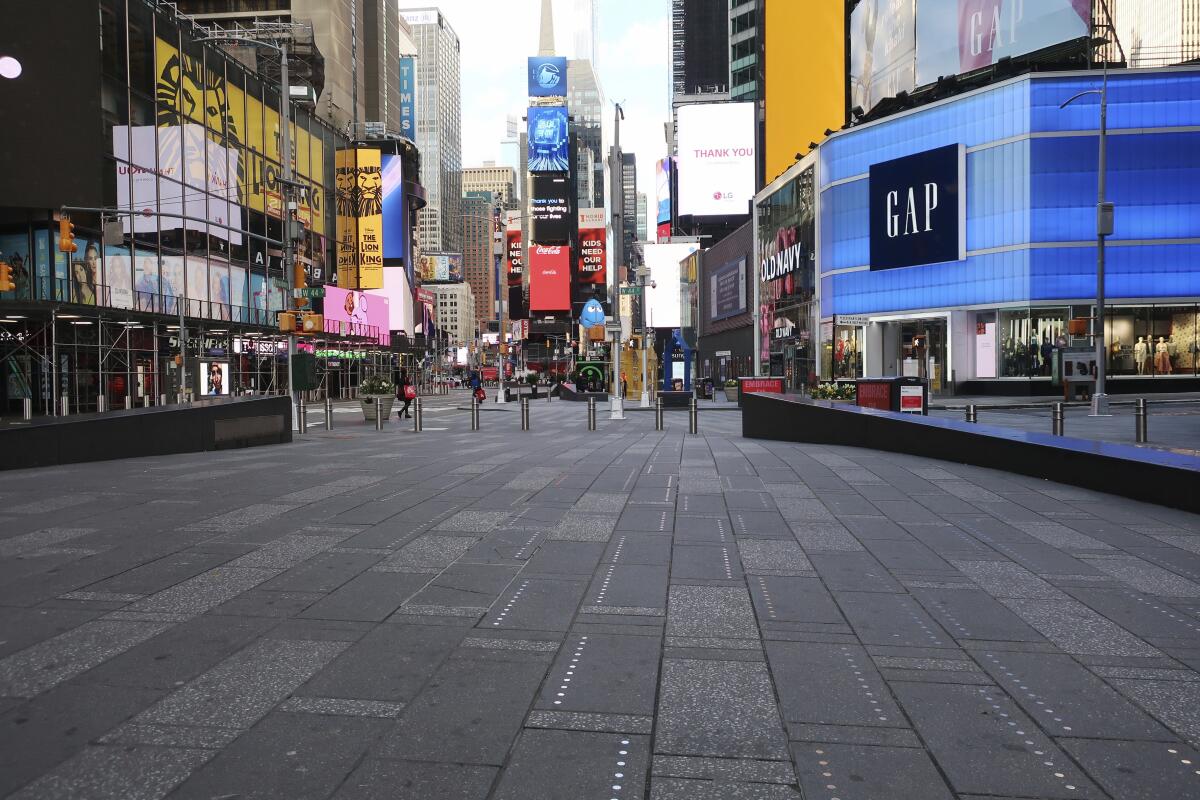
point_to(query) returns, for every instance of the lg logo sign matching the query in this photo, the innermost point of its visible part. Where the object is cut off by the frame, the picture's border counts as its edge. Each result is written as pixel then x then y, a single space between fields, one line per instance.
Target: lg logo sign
pixel 918 209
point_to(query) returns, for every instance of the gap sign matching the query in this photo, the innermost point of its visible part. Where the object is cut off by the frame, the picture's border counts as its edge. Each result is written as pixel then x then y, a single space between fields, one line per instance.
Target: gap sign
pixel 919 209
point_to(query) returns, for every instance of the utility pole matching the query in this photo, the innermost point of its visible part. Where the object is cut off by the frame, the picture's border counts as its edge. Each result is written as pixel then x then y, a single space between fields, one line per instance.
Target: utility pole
pixel 616 406
pixel 497 252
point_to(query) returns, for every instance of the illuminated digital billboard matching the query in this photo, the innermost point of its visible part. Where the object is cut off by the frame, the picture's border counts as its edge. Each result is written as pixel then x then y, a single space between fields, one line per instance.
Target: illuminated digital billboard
pixel 549 141
pixel 716 159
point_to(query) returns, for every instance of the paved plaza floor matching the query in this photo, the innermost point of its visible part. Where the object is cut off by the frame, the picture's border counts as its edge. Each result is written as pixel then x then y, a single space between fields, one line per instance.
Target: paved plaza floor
pixel 562 614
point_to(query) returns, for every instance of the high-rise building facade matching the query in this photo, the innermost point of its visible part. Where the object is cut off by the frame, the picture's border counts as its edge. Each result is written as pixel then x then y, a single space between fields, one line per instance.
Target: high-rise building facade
pixel 1153 33
pixel 354 68
pixel 629 200
pixel 510 148
pixel 587 21
pixel 642 210
pixel 478 261
pixel 699 47
pixel 498 180
pixel 744 46
pixel 457 311
pixel 586 101
pixel 439 128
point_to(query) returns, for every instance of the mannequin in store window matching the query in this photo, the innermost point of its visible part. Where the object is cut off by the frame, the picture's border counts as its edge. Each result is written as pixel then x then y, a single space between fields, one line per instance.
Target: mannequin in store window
pixel 1141 355
pixel 1162 357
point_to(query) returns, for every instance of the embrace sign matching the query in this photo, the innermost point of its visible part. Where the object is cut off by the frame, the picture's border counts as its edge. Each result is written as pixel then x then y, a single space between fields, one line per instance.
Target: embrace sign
pixel 919 209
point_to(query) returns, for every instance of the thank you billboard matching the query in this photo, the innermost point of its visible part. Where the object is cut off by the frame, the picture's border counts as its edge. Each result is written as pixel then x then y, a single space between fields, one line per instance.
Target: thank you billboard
pixel 918 209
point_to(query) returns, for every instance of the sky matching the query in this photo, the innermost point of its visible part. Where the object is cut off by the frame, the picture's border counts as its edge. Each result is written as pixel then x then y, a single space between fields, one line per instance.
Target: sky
pixel 633 43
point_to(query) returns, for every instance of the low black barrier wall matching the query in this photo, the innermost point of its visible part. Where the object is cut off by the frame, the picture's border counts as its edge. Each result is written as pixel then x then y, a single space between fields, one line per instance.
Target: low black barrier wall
pixel 210 424
pixel 1162 476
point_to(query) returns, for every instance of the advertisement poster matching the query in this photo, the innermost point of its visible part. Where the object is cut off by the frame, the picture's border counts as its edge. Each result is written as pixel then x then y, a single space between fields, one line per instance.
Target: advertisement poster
pixel 547 76
pixel 662 294
pixel 440 268
pixel 85 272
pixel 259 299
pixel 395 212
pixel 351 308
pixel 882 50
pixel 177 169
pixel 172 279
pixel 14 250
pixel 118 271
pixel 145 280
pixel 252 128
pixel 237 294
pixel 550 278
pixel 426 300
pixel 215 377
pixel 197 286
pixel 985 349
pixel 513 249
pixel 549 143
pixel 218 289
pixel 358 180
pixel 957 36
pixel 727 290
pixel 550 204
pixel 593 241
pixel 716 159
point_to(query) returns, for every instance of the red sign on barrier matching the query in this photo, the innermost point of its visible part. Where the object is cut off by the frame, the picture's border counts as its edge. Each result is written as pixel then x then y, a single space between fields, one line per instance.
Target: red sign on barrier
pixel 752 385
pixel 874 395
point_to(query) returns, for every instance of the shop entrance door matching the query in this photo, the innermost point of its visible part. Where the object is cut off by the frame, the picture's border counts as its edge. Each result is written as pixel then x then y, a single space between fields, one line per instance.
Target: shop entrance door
pixel 923 352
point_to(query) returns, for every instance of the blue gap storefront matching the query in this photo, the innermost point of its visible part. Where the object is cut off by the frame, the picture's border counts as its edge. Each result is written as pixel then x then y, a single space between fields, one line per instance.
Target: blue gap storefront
pixel 990 323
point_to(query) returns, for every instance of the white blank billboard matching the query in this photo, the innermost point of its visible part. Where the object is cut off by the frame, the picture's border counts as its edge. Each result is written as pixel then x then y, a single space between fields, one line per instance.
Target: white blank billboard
pixel 716 159
pixel 662 299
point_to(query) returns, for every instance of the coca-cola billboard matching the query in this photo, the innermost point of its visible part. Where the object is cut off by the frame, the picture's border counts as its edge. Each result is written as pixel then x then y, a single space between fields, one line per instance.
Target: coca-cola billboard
pixel 549 278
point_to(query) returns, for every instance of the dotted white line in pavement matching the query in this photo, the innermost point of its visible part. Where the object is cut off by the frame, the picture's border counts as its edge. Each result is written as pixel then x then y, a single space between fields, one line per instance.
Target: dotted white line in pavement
pixel 516 596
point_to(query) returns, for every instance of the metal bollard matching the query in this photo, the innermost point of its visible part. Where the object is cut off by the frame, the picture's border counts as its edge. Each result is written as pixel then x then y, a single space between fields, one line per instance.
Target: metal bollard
pixel 101 403
pixel 28 408
pixel 418 423
pixel 972 414
pixel 1140 413
pixel 474 413
pixel 128 402
pixel 302 415
pixel 328 413
pixel 658 414
pixel 162 399
pixel 378 413
pixel 66 406
pixel 591 413
pixel 693 417
pixel 1058 420
pixel 524 413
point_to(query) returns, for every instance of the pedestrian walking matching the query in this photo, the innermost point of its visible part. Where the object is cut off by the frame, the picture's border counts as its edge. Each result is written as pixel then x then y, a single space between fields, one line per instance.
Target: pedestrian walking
pixel 406 392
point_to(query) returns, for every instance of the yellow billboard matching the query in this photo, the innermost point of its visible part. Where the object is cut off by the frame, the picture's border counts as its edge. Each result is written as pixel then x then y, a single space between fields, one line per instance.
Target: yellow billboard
pixel 805 77
pixel 236 119
pixel 358 187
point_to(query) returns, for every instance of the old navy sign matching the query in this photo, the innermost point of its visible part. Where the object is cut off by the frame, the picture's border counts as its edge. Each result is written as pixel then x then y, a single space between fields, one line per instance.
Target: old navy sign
pixel 918 209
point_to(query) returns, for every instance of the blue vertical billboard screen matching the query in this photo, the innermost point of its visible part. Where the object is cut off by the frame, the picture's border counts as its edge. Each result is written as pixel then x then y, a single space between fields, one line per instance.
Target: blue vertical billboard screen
pixel 549 142
pixel 408 97
pixel 395 220
pixel 547 76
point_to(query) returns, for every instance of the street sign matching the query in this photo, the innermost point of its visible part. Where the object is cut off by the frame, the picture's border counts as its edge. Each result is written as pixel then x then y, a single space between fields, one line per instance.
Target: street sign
pixel 631 290
pixel 612 327
pixel 311 291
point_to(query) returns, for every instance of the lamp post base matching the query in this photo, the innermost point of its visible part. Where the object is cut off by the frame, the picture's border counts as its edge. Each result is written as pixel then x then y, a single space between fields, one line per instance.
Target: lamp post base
pixel 1100 405
pixel 617 410
pixel 645 403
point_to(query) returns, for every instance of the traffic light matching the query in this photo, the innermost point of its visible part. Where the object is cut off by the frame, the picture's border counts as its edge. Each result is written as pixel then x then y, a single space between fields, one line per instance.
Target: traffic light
pixel 287 322
pixel 6 279
pixel 300 281
pixel 312 323
pixel 66 235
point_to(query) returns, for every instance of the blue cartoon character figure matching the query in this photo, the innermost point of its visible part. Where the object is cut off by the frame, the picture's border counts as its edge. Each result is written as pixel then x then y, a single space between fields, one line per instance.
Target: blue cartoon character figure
pixel 592 314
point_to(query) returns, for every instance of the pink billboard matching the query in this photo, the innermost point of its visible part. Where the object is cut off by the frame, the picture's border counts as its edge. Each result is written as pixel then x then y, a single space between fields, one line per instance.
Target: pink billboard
pixel 353 313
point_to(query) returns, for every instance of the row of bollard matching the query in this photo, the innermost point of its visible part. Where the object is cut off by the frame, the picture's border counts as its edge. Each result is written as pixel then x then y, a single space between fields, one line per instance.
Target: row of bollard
pixel 1058 419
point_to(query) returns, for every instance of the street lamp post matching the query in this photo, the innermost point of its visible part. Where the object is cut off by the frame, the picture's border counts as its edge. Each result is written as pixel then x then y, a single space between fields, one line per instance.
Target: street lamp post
pixel 1104 229
pixel 497 252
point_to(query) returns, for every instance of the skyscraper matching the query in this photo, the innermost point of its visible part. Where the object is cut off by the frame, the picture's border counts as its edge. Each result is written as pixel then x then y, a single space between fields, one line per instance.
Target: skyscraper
pixel 744 42
pixel 584 36
pixel 699 47
pixel 478 269
pixel 439 131
pixel 497 179
pixel 642 211
pixel 586 101
pixel 510 149
pixel 629 206
pixel 1154 33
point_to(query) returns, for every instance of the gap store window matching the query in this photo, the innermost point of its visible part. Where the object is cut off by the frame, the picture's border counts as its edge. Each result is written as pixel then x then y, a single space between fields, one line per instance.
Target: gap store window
pixel 787 280
pixel 1151 341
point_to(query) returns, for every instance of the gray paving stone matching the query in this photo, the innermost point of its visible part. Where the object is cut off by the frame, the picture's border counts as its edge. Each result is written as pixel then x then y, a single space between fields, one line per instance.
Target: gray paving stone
pixel 287 552
pixel 1077 629
pixel 205 591
pixel 1138 770
pixel 718 708
pixel 854 572
pixel 602 723
pixel 970 613
pixel 851 692
pixel 885 619
pixel 705 562
pixel 117 773
pixel 1175 704
pixel 599 673
pixel 243 688
pixel 371 596
pixel 869 773
pixel 651 520
pixel 584 527
pixel 471 712
pixel 773 557
pixel 687 789
pixel 390 663
pixel 760 525
pixel 630 586
pixel 724 769
pixel 1145 577
pixel 703 530
pixel 791 599
pixel 565 558
pixel 710 611
pixel 37 540
pixel 49 663
pixel 536 604
pixel 550 764
pixel 427 553
pixel 378 779
pixel 245 517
